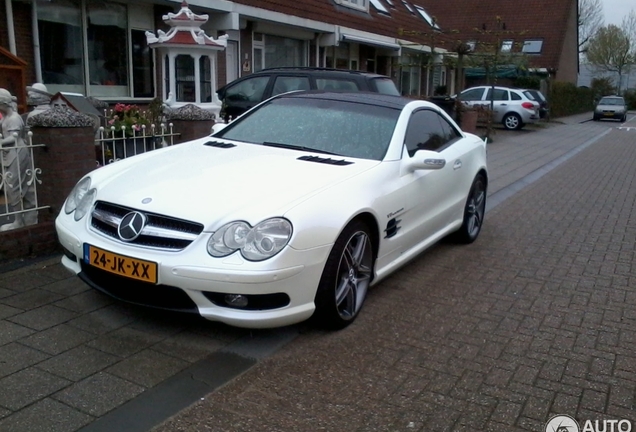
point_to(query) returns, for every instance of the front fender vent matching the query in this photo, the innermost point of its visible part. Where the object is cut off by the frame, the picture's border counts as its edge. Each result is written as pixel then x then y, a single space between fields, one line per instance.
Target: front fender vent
pixel 327 161
pixel 219 144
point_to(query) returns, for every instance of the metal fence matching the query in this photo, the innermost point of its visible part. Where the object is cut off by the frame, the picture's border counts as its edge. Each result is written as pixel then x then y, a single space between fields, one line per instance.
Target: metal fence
pixel 18 184
pixel 113 144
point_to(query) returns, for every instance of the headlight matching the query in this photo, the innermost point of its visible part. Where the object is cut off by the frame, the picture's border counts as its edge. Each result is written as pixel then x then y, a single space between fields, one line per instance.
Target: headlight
pixel 77 194
pixel 85 204
pixel 256 244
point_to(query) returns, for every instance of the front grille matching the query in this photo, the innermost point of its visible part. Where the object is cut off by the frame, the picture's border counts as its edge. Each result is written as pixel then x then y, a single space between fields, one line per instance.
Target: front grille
pixel 137 292
pixel 160 232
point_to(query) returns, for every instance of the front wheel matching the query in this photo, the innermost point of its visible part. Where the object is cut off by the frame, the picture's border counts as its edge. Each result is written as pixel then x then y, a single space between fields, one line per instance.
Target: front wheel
pixel 474 212
pixel 512 121
pixel 345 278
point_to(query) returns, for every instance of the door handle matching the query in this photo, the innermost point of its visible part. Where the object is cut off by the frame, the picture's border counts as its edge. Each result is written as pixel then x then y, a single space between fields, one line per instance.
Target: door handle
pixel 457 165
pixel 504 104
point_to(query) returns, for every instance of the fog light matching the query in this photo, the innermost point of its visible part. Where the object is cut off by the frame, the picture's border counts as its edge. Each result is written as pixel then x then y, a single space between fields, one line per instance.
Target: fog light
pixel 236 300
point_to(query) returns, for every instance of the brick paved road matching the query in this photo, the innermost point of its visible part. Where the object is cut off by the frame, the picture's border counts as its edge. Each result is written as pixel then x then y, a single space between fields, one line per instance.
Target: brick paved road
pixel 538 317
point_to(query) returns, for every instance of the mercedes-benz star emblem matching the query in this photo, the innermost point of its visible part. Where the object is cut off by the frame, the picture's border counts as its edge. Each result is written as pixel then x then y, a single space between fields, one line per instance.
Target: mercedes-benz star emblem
pixel 130 226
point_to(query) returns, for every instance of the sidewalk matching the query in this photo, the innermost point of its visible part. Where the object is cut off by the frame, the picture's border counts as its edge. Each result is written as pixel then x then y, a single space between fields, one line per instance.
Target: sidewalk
pixel 537 318
pixel 477 352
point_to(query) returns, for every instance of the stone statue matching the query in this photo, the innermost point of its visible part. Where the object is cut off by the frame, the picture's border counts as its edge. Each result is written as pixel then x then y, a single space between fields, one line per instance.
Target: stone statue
pixel 16 160
pixel 39 98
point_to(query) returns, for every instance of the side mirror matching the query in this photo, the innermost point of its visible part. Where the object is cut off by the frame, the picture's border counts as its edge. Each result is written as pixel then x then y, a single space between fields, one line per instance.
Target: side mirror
pixel 426 160
pixel 218 127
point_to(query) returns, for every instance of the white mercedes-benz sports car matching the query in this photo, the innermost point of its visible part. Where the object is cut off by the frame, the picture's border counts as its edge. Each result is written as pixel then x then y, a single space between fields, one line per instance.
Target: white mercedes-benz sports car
pixel 291 211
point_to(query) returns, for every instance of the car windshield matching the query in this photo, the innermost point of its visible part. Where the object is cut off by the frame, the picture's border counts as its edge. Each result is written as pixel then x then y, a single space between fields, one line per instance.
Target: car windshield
pixel 336 127
pixel 611 101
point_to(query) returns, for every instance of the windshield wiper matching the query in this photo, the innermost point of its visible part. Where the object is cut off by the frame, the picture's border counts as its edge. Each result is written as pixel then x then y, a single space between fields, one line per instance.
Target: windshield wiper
pixel 297 147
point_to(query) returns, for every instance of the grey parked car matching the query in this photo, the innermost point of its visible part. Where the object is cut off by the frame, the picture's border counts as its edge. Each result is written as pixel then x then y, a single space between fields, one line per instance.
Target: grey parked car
pixel 514 108
pixel 611 107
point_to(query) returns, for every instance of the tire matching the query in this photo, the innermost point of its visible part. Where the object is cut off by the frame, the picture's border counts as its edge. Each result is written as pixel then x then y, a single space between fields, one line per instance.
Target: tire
pixel 512 121
pixel 345 278
pixel 624 119
pixel 595 118
pixel 474 212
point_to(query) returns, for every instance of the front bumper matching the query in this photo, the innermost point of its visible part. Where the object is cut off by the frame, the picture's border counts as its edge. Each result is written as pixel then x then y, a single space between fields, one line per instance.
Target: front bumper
pixel 193 281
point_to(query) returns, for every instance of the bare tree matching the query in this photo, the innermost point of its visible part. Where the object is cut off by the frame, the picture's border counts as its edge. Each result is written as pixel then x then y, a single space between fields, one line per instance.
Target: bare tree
pixel 612 50
pixel 590 20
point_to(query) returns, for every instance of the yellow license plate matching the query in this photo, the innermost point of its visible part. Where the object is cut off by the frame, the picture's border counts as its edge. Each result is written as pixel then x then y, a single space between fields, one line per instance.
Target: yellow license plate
pixel 609 114
pixel 120 264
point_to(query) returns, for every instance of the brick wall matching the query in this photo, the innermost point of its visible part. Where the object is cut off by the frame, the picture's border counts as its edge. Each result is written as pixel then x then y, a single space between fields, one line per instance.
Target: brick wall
pixel 568 62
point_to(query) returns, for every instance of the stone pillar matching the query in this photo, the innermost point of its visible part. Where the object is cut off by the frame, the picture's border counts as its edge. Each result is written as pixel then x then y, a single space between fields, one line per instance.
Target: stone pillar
pixel 69 153
pixel 191 122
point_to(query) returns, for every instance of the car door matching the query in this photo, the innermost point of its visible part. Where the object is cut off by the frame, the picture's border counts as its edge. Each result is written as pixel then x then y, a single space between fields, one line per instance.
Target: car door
pixel 471 97
pixel 431 199
pixel 244 94
pixel 500 101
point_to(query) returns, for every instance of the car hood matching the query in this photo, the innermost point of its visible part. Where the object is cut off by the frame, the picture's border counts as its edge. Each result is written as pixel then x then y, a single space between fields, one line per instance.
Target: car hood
pixel 212 185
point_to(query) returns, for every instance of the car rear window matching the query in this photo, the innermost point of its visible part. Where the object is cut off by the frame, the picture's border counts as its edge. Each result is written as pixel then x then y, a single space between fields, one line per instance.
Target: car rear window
pixel 386 86
pixel 530 96
pixel 336 84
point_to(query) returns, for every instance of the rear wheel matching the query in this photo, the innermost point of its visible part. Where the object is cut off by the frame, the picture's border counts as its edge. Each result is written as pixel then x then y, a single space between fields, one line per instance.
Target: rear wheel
pixel 512 121
pixel 346 278
pixel 474 212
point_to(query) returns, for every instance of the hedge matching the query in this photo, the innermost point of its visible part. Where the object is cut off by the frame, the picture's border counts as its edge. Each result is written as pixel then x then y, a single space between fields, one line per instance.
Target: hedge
pixel 567 99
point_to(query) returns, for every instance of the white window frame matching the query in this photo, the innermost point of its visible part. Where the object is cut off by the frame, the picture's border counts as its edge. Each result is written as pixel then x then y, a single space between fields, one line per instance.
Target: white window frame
pixel 362 5
pixel 506 45
pixel 531 42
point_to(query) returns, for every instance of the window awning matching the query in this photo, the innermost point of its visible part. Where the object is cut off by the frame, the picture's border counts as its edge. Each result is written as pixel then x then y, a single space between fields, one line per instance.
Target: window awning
pixel 392 46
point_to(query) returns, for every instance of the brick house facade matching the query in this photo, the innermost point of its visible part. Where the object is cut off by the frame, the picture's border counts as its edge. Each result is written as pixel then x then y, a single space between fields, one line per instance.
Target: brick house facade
pixel 97 48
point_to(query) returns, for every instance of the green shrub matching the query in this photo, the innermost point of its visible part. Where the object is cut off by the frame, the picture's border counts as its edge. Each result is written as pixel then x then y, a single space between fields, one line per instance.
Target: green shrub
pixel 602 87
pixel 567 99
pixel 630 98
pixel 528 82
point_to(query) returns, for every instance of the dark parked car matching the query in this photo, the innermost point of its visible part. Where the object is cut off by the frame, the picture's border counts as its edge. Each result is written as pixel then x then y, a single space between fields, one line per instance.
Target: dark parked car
pixel 543 102
pixel 244 93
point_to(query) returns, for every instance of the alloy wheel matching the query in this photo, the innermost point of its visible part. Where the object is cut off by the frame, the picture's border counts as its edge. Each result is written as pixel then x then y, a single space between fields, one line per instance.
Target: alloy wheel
pixel 354 275
pixel 476 208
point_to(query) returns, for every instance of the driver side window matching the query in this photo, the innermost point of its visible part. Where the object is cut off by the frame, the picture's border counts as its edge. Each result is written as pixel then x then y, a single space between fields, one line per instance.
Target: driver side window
pixel 425 132
pixel 251 90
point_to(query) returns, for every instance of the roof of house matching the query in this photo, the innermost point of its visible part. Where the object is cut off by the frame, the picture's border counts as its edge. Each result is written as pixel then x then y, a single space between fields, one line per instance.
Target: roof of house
pixel 391 24
pixel 458 20
pixel 545 20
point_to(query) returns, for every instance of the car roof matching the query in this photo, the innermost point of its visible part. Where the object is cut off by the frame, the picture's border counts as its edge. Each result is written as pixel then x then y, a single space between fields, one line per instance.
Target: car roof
pixel 390 101
pixel 319 70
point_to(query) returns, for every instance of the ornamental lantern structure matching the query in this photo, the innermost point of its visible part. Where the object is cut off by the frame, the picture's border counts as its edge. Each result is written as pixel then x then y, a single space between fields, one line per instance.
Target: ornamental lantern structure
pixel 188 59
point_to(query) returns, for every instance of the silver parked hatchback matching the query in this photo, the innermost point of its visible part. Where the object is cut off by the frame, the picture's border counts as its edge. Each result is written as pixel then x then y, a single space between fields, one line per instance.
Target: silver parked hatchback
pixel 514 108
pixel 611 107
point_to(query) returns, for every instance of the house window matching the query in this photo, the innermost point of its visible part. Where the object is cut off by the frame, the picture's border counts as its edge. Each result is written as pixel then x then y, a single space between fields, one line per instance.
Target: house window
pixel 408 6
pixel 532 46
pixel 506 46
pixel 271 51
pixel 426 17
pixel 184 78
pixel 379 7
pixel 118 62
pixel 355 4
pixel 205 78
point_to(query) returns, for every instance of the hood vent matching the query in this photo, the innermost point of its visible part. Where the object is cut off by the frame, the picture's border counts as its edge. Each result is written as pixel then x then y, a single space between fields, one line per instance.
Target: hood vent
pixel 327 161
pixel 219 144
